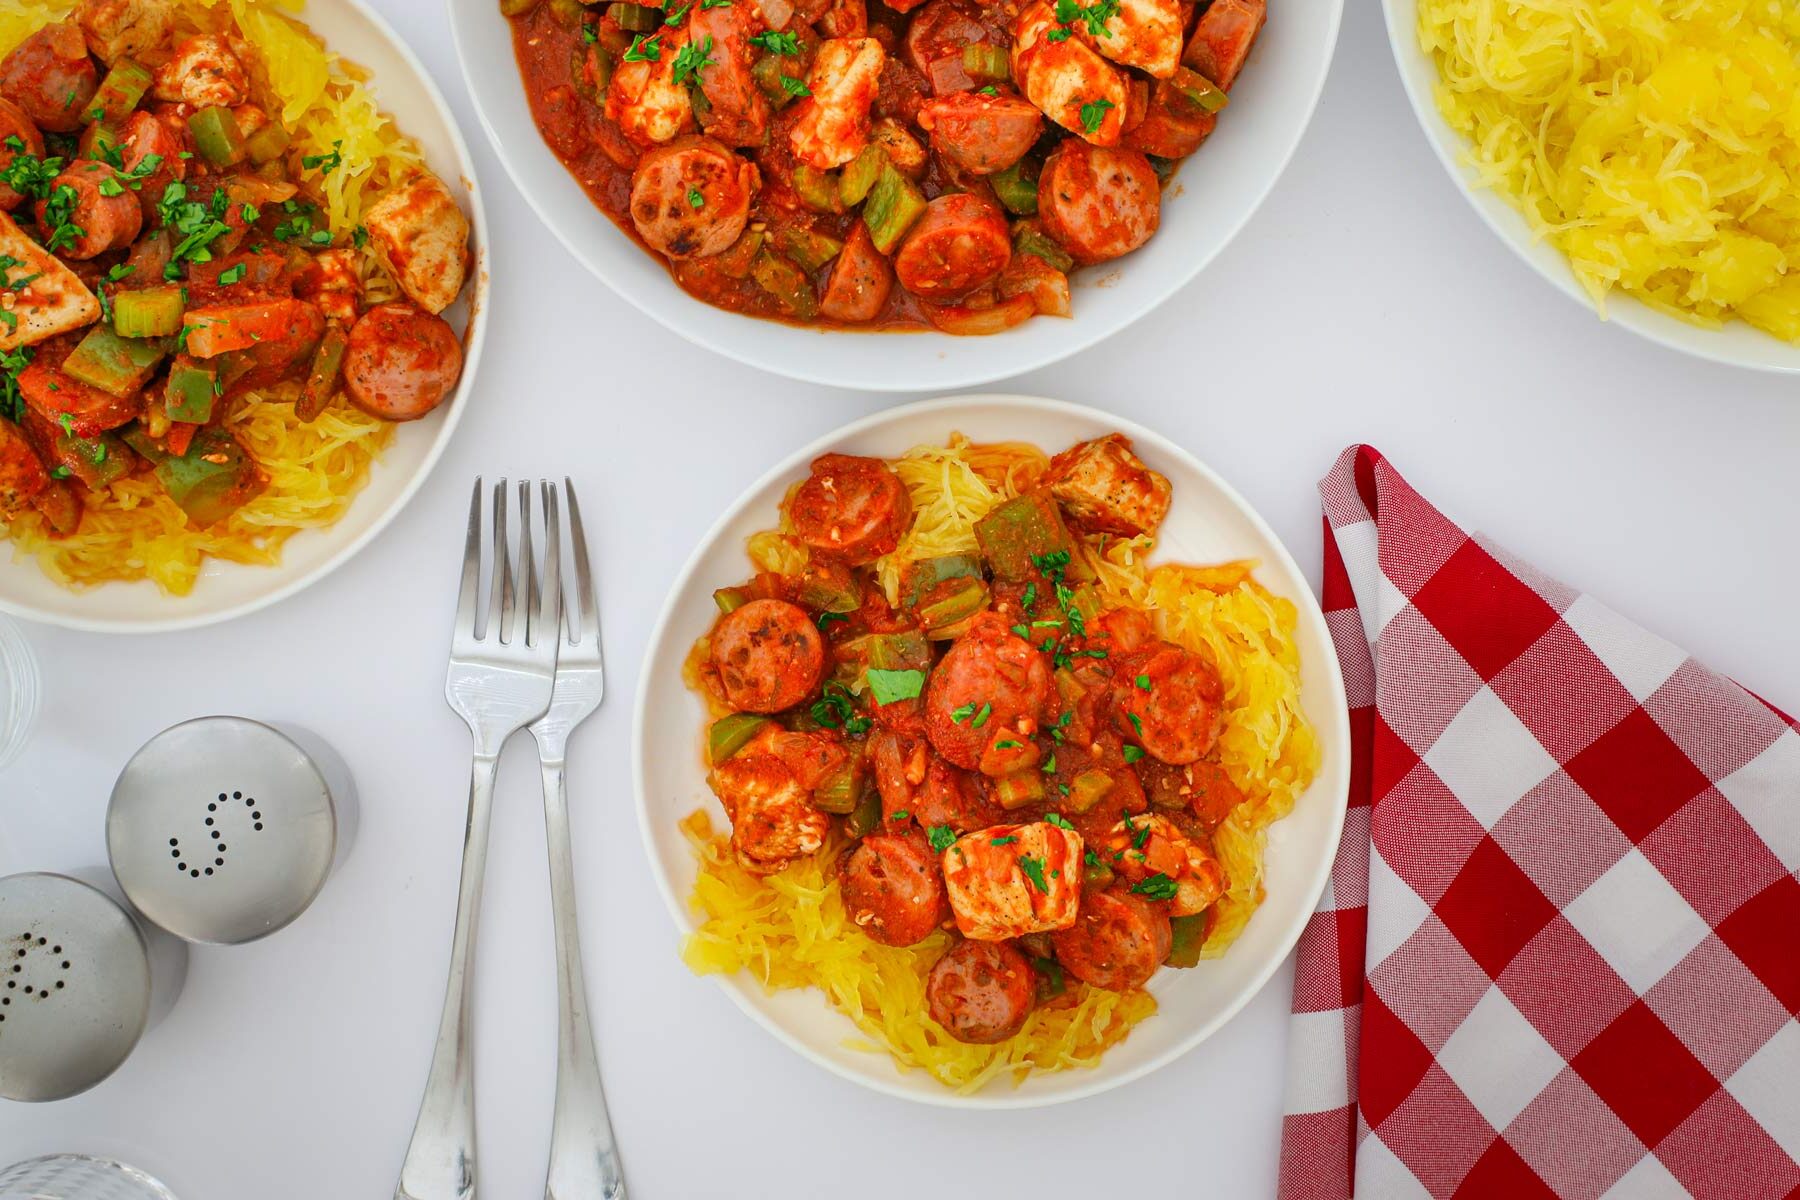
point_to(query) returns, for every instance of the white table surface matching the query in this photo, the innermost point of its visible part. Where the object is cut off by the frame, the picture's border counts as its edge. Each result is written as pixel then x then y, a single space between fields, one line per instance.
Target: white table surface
pixel 1364 302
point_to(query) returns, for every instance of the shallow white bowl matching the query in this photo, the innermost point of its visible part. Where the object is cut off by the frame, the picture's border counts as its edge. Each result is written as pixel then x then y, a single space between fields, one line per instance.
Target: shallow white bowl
pixel 1737 343
pixel 1208 523
pixel 1214 194
pixel 225 590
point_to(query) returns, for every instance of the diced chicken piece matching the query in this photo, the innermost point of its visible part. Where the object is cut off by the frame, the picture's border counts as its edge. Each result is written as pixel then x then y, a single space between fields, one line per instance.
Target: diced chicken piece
pixel 22 473
pixel 330 280
pixel 204 73
pixel 1144 34
pixel 902 148
pixel 833 123
pixel 55 301
pixel 1066 79
pixel 422 238
pixel 766 789
pixel 643 98
pixel 1104 487
pixel 1010 880
pixel 118 29
pixel 1144 847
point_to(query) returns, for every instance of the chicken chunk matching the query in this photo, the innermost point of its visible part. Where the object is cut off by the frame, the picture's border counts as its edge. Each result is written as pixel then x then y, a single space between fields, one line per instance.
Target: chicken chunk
pixel 1066 79
pixel 22 474
pixel 118 29
pixel 422 238
pixel 1010 880
pixel 330 280
pixel 643 98
pixel 1104 487
pixel 1145 34
pixel 833 123
pixel 204 73
pixel 766 789
pixel 54 301
pixel 1145 847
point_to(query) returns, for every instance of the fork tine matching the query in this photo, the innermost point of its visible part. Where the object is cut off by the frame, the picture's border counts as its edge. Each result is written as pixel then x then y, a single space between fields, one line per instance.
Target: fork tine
pixel 550 618
pixel 467 596
pixel 589 623
pixel 528 573
pixel 500 602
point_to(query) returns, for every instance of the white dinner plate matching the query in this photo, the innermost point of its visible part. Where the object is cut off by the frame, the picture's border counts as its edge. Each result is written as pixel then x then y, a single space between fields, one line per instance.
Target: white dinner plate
pixel 224 590
pixel 1212 196
pixel 1209 522
pixel 1737 343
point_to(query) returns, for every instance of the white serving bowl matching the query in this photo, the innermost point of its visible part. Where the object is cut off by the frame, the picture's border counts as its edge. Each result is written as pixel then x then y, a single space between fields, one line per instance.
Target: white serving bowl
pixel 1737 343
pixel 225 589
pixel 1212 197
pixel 1209 522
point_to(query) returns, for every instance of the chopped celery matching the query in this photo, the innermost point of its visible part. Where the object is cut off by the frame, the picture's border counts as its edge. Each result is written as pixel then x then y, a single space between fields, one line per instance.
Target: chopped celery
pixel 866 815
pixel 787 283
pixel 730 734
pixel 730 600
pixel 116 365
pixel 1096 874
pixel 811 250
pixel 1187 936
pixel 1025 527
pixel 817 189
pixel 147 312
pixel 828 587
pixel 99 141
pixel 1029 239
pixel 926 573
pixel 140 441
pixel 190 392
pixel 904 651
pixel 593 84
pixel 1199 89
pixel 841 791
pixel 1019 789
pixel 639 18
pixel 213 479
pixel 119 93
pixel 738 259
pixel 893 204
pixel 860 173
pixel 569 13
pixel 1016 188
pixel 953 603
pixel 983 61
pixel 1088 789
pixel 516 8
pixel 322 377
pixel 217 137
pixel 268 143
pixel 95 461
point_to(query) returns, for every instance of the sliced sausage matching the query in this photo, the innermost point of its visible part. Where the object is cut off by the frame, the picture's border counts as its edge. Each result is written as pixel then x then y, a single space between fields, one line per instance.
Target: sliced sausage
pixel 1167 698
pixel 1098 202
pixel 936 36
pixel 22 474
pixel 736 111
pixel 769 656
pixel 1117 941
pixel 893 889
pixel 51 77
pixel 1172 125
pixel 850 508
pixel 960 244
pixel 143 135
pixel 401 362
pixel 1223 37
pixel 898 760
pixel 15 124
pixel 691 198
pixel 953 798
pixel 54 395
pixel 988 666
pixel 981 134
pixel 981 992
pixel 105 222
pixel 860 281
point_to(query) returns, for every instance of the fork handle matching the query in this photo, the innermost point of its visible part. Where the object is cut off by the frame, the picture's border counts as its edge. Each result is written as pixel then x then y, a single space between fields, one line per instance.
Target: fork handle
pixel 440 1161
pixel 584 1158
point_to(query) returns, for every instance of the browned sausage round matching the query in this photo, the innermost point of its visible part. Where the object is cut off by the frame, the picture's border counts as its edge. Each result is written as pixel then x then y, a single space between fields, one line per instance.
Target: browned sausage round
pixel 769 655
pixel 860 281
pixel 51 77
pixel 961 243
pixel 15 124
pixel 736 111
pixel 401 362
pixel 1117 942
pixel 691 197
pixel 1098 202
pixel 989 665
pixel 981 134
pixel 893 889
pixel 850 508
pixel 981 992
pixel 1168 699
pixel 1173 126
pixel 952 797
pixel 106 222
pixel 279 358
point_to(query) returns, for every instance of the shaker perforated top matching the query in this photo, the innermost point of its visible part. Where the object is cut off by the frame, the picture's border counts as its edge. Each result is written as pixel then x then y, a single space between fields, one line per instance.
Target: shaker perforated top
pixel 221 830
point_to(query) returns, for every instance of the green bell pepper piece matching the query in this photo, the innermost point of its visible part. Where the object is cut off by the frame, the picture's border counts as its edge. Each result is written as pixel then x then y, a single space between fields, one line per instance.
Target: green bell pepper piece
pixel 1024 528
pixel 116 365
pixel 214 479
pixel 217 137
pixel 190 392
pixel 1187 936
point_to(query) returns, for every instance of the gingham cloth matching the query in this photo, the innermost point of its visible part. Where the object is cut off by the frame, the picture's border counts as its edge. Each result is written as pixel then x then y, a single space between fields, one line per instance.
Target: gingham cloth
pixel 1560 953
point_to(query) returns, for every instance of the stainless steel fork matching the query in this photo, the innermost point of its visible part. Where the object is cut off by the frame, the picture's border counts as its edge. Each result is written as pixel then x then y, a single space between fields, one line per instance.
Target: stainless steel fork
pixel 501 675
pixel 584 1160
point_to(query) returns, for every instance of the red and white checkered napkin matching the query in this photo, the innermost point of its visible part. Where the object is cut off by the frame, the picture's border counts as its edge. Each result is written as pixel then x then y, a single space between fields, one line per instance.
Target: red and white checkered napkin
pixel 1560 954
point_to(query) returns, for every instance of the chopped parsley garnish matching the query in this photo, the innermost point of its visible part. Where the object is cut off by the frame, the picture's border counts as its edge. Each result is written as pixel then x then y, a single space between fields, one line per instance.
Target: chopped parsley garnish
pixel 1093 113
pixel 359 237
pixel 326 163
pixel 12 404
pixel 1136 723
pixel 836 709
pixel 691 59
pixel 12 322
pixel 644 49
pixel 67 421
pixel 900 814
pixel 119 271
pixel 231 275
pixel 982 716
pixel 249 214
pixel 1060 821
pixel 589 33
pixel 1007 840
pixel 676 16
pixel 1006 744
pixel 1049 764
pixel 989 90
pixel 1143 682
pixel 1096 15
pixel 698 200
pixel 27 174
pixel 1022 631
pixel 888 687
pixel 110 186
pixel 59 206
pixel 1091 859
pixel 709 5
pixel 962 712
pixel 794 87
pixel 942 837
pixel 1133 753
pixel 1157 887
pixel 60 473
pixel 825 618
pixel 199 225
pixel 1034 871
pixel 777 43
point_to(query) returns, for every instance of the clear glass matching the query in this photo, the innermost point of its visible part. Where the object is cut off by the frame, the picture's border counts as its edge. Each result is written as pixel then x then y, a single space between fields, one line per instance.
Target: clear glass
pixel 78 1177
pixel 18 691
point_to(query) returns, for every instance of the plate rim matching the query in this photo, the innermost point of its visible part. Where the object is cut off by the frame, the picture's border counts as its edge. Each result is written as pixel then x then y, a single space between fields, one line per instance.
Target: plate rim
pixel 474 340
pixel 796 367
pixel 1309 612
